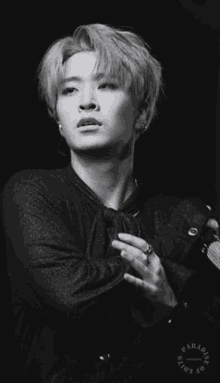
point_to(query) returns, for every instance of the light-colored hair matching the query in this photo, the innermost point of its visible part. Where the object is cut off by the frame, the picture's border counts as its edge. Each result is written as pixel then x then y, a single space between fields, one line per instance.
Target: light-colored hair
pixel 120 53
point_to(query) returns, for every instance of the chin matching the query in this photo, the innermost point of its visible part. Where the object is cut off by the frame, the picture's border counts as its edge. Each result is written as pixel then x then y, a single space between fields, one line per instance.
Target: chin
pixel 95 149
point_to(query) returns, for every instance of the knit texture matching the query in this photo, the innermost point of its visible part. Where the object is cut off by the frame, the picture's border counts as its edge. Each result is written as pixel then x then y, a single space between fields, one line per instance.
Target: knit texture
pixel 69 297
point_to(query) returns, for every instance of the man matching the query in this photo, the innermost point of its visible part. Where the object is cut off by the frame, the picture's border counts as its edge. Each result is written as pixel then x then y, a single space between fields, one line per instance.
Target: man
pixel 103 271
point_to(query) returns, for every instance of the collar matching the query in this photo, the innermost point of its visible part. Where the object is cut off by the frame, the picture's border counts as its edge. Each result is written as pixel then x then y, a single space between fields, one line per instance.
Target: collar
pixel 131 206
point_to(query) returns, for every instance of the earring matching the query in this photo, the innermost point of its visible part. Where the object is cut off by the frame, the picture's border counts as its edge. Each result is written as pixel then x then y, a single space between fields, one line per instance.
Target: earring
pixel 60 127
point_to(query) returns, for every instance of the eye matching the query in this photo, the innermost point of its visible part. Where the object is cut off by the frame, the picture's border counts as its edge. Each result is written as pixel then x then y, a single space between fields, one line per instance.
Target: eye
pixel 109 85
pixel 68 90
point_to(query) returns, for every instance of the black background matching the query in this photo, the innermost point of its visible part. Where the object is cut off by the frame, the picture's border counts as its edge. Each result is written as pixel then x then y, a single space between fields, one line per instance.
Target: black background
pixel 177 155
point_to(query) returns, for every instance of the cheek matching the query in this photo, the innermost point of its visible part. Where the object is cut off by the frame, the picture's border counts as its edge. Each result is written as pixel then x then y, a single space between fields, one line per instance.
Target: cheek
pixel 66 111
pixel 60 110
pixel 119 107
pixel 126 112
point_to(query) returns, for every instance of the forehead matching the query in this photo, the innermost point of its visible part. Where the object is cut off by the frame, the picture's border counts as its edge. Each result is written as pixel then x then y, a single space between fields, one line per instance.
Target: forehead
pixel 81 64
pixel 84 65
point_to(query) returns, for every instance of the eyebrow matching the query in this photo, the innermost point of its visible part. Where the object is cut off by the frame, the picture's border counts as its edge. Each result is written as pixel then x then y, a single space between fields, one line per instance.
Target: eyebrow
pixel 95 77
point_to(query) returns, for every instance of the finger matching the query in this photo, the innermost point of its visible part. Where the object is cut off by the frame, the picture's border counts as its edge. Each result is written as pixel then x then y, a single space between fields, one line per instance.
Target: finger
pixel 137 264
pixel 213 224
pixel 134 280
pixel 140 243
pixel 129 250
pixel 136 258
pixel 140 283
pixel 154 263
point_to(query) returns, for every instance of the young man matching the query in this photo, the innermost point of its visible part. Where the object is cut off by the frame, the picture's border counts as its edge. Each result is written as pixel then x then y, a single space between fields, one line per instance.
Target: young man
pixel 98 271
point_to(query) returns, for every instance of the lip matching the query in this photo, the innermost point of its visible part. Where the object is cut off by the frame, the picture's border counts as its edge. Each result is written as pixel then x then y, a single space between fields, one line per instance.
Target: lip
pixel 91 120
pixel 89 127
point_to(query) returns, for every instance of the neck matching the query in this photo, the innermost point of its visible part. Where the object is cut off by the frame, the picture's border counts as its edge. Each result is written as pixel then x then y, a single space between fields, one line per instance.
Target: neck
pixel 110 177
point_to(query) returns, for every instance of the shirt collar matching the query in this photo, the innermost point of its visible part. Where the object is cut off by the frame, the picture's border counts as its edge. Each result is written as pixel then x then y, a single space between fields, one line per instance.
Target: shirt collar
pixel 130 206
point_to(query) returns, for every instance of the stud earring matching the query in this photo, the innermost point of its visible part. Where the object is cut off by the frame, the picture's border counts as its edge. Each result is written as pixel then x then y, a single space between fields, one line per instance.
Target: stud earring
pixel 60 127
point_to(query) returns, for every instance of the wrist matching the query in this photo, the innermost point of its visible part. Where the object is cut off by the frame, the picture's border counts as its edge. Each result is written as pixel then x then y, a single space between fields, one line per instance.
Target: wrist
pixel 153 313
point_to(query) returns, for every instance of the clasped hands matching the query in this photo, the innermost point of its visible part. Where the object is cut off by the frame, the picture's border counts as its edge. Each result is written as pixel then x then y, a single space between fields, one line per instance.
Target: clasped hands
pixel 152 279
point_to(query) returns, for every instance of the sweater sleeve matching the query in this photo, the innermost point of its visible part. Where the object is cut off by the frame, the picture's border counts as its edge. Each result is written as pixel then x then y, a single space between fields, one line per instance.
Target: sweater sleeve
pixel 179 231
pixel 196 280
pixel 46 264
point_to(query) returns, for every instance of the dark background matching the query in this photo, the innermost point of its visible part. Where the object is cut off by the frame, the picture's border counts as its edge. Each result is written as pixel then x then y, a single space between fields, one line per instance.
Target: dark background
pixel 178 155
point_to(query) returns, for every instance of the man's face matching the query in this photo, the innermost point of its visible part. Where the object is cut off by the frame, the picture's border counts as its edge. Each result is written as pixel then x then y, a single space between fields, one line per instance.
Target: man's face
pixel 90 97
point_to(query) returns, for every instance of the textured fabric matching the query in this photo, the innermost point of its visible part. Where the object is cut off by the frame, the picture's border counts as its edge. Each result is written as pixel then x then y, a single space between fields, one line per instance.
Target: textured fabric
pixel 70 301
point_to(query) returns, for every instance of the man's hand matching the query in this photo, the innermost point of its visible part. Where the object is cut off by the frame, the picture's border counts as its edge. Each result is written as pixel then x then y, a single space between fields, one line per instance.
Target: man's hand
pixel 152 279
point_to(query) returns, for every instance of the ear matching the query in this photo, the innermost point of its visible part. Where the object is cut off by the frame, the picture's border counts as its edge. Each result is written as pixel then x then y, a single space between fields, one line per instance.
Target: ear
pixel 140 124
pixel 60 128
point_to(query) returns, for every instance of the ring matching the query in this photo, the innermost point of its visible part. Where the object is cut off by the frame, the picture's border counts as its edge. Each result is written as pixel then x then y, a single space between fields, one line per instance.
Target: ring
pixel 149 250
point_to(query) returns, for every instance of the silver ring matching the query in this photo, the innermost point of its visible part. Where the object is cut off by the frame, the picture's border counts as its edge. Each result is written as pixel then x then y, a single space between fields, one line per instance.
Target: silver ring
pixel 149 250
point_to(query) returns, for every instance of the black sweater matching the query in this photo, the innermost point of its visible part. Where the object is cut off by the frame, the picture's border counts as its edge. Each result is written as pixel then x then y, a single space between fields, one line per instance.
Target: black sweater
pixel 68 291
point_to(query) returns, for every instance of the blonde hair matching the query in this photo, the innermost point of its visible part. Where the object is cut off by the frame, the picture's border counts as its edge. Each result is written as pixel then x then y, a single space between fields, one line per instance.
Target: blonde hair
pixel 120 53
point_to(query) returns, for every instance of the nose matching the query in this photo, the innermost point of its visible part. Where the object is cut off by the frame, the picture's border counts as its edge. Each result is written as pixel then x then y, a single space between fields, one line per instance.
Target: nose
pixel 87 101
pixel 88 106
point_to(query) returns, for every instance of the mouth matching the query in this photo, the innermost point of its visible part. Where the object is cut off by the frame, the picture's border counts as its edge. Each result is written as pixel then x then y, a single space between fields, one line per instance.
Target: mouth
pixel 88 122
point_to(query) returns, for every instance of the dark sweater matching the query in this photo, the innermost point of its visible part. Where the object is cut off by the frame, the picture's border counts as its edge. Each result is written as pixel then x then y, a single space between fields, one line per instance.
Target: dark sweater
pixel 69 298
